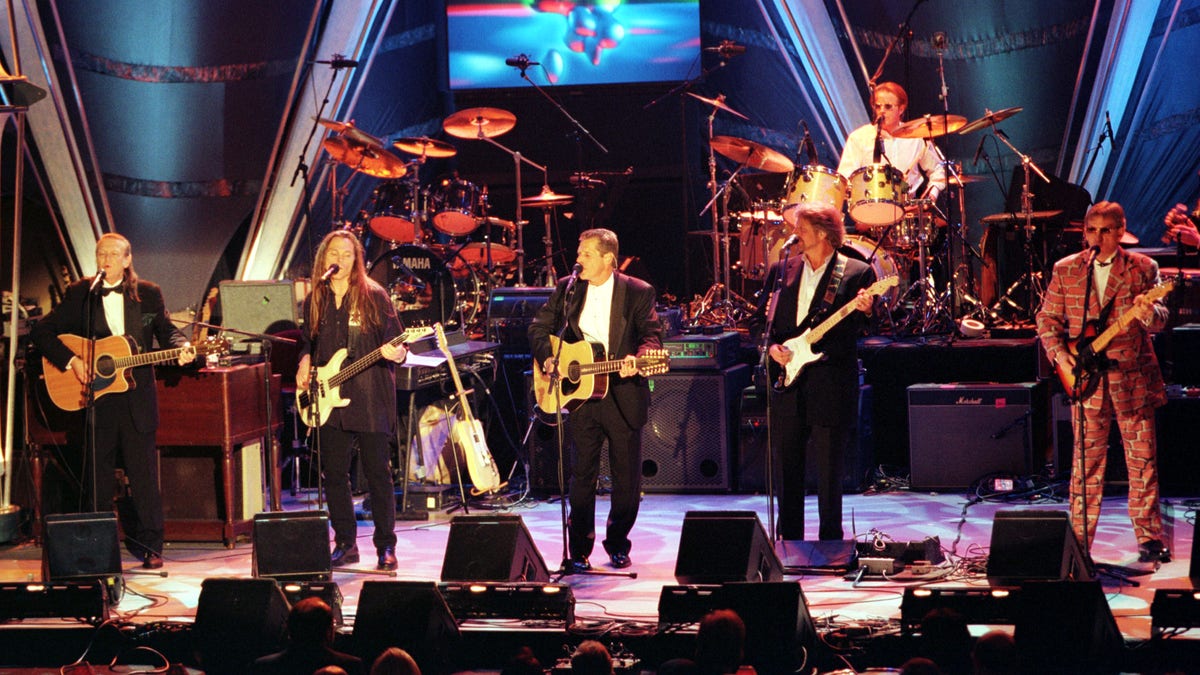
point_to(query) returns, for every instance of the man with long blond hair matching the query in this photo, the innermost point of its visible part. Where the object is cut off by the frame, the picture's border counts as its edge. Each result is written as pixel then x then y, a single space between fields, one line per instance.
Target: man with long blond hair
pixel 348 310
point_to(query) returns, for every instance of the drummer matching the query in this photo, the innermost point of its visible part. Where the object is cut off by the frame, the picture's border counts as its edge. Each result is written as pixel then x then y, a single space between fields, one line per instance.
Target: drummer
pixel 916 159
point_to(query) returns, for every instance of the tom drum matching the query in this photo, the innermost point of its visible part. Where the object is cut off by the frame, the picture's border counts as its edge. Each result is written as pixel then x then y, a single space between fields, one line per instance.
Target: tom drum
pixel 457 207
pixel 395 212
pixel 814 184
pixel 877 194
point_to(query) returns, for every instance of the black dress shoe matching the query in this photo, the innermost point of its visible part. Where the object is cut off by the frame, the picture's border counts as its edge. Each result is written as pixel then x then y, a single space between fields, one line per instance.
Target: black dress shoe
pixel 387 558
pixel 576 565
pixel 152 561
pixel 343 555
pixel 620 560
pixel 1153 551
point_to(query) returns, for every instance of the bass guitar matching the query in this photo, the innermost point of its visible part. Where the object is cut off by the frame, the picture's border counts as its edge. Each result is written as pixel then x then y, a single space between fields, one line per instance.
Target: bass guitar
pixel 467 433
pixel 801 345
pixel 111 358
pixel 581 377
pixel 331 376
pixel 1088 348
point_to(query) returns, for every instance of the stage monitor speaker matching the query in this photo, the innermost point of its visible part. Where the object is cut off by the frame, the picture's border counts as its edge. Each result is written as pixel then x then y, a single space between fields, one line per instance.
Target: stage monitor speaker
pixel 779 628
pixel 1035 544
pixel 1066 627
pixel 720 546
pixel 79 600
pixel 291 545
pixel 81 546
pixel 960 433
pixel 692 428
pixel 257 307
pixel 237 621
pixel 492 548
pixel 411 615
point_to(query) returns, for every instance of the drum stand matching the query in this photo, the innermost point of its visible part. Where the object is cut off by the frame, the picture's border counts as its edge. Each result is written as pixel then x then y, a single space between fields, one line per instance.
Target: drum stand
pixel 717 307
pixel 1032 279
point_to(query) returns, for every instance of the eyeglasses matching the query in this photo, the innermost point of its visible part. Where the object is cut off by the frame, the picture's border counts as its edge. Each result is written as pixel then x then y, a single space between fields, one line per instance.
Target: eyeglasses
pixel 886 106
pixel 1099 230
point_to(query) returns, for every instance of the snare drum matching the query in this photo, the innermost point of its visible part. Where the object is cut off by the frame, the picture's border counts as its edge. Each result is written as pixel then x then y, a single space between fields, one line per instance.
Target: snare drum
pixel 814 184
pixel 456 207
pixel 862 248
pixel 917 227
pixel 395 212
pixel 877 194
pixel 422 288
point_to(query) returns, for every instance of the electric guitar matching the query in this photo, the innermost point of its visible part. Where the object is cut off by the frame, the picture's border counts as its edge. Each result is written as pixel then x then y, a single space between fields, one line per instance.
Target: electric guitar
pixel 467 433
pixel 111 357
pixel 581 377
pixel 1087 349
pixel 801 345
pixel 331 376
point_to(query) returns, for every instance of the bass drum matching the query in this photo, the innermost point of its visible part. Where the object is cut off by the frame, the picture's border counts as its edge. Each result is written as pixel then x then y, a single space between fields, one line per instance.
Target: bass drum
pixel 881 261
pixel 423 289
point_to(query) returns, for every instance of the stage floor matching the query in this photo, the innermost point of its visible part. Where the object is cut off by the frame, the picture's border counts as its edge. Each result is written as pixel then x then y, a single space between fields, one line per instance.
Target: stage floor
pixel 964 532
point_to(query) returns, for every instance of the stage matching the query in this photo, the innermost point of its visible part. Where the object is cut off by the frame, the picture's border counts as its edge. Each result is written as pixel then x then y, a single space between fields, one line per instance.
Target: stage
pixel 623 610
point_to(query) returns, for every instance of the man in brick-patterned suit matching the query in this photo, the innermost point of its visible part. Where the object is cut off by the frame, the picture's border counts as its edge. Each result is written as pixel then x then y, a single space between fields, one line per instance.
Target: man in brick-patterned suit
pixel 1129 384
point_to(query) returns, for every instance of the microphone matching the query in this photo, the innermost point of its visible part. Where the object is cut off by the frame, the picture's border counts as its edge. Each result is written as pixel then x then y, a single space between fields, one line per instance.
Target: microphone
pixel 809 147
pixel 1095 254
pixel 338 61
pixel 1108 128
pixel 979 151
pixel 520 61
pixel 333 269
pixel 97 281
pixel 878 139
pixel 939 41
pixel 791 241
pixel 575 272
pixel 727 48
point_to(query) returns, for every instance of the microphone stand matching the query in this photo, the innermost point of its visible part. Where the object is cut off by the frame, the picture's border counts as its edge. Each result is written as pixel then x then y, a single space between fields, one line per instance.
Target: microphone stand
pixel 772 307
pixel 1095 152
pixel 892 45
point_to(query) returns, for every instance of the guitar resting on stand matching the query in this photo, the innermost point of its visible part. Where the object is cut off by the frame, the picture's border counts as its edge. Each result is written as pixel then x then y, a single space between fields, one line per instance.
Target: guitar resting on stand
pixel 467 435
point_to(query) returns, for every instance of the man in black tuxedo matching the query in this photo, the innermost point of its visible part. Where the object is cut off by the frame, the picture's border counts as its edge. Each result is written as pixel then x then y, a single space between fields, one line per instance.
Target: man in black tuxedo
pixel 612 309
pixel 117 302
pixel 814 413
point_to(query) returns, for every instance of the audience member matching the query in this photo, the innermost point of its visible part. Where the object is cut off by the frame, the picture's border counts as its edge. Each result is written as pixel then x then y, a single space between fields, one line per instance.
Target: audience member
pixel 524 662
pixel 920 666
pixel 310 636
pixel 591 658
pixel 946 640
pixel 995 653
pixel 330 670
pixel 395 661
pixel 719 645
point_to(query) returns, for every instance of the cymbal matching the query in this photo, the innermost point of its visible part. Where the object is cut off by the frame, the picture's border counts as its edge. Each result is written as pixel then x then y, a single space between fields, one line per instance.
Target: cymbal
pixel 547 198
pixel 930 126
pixel 351 132
pixel 718 103
pixel 477 122
pixel 963 179
pixel 426 147
pixel 500 222
pixel 375 162
pixel 1017 217
pixel 990 118
pixel 753 155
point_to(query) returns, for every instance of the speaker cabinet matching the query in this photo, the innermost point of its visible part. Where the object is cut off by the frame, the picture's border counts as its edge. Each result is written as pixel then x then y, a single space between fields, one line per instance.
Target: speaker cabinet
pixel 1035 544
pixel 291 545
pixel 237 621
pixel 752 445
pixel 720 546
pixel 492 548
pixel 1066 627
pixel 257 306
pixel 411 615
pixel 81 546
pixel 198 487
pixel 779 628
pixel 960 433
pixel 687 442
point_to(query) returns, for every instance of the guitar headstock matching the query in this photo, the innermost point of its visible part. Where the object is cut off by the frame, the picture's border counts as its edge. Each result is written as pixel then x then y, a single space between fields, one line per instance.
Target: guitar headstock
pixel 654 362
pixel 417 332
pixel 883 284
pixel 213 345
pixel 443 346
pixel 1161 289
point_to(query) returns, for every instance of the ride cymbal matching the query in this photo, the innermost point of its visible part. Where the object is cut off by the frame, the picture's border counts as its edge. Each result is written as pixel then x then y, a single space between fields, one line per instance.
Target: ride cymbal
pixel 425 147
pixel 753 155
pixel 479 123
pixel 372 161
pixel 547 197
pixel 930 126
pixel 718 103
pixel 1018 217
pixel 989 119
pixel 351 132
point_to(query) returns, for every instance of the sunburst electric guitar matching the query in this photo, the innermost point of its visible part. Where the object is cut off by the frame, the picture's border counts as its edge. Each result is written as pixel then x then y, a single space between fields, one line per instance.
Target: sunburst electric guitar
pixel 467 433
pixel 582 377
pixel 801 345
pixel 331 376
pixel 1088 350
pixel 112 357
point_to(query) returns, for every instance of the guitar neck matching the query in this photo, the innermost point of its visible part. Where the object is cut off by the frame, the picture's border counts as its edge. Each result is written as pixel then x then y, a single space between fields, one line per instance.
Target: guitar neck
pixel 458 385
pixel 825 326
pixel 147 359
pixel 605 367
pixel 365 362
pixel 1101 341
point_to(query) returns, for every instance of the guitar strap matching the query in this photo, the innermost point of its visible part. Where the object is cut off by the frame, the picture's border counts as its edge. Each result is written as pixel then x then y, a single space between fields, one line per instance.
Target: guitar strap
pixel 835 280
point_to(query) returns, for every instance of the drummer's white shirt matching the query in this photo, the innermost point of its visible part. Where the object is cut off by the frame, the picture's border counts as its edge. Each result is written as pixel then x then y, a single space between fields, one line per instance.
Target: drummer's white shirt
pixel 906 154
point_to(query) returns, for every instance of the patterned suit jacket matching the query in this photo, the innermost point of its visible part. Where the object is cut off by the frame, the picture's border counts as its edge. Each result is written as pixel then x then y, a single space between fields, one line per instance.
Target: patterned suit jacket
pixel 1135 375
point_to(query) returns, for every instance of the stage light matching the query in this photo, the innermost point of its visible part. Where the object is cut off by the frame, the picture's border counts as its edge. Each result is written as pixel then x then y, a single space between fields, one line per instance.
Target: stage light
pixel 996 605
pixel 525 601
pixel 328 591
pixel 82 600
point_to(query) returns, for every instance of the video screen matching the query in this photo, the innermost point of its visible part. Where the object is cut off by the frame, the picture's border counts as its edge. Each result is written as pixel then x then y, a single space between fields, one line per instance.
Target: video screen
pixel 571 43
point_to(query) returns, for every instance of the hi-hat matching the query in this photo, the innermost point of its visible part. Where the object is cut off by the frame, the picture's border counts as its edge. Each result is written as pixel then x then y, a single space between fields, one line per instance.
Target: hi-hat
pixel 425 147
pixel 547 197
pixel 372 161
pixel 1017 217
pixel 930 126
pixel 990 118
pixel 351 132
pixel 718 103
pixel 479 122
pixel 753 155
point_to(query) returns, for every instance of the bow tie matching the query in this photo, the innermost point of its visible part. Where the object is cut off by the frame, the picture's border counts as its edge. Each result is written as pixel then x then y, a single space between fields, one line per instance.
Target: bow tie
pixel 105 290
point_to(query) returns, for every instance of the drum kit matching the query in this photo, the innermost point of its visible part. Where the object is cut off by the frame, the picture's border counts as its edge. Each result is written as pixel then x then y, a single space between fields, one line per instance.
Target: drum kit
pixel 433 245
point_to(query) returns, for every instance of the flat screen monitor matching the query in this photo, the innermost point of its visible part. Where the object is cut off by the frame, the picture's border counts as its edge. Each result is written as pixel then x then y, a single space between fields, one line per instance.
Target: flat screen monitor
pixel 571 43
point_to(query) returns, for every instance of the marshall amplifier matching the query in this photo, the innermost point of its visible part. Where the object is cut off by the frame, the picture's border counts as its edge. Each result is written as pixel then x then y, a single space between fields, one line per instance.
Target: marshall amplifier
pixel 703 352
pixel 960 433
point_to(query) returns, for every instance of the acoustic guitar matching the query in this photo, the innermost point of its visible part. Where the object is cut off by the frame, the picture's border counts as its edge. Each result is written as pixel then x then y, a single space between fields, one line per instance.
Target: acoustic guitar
pixel 582 377
pixel 467 433
pixel 112 357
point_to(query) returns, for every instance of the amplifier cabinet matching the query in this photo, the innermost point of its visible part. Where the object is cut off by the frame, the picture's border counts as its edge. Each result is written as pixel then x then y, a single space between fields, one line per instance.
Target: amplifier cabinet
pixel 959 433
pixel 703 352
